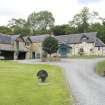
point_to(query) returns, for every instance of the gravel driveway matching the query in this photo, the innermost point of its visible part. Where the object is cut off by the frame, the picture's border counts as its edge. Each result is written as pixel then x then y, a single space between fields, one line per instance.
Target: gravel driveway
pixel 87 87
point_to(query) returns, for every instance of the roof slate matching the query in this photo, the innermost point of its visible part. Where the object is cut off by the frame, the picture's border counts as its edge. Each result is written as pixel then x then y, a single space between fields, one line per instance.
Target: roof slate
pixel 62 39
pixel 76 38
pixel 38 38
pixel 14 37
pixel 5 39
pixel 72 38
pixel 99 43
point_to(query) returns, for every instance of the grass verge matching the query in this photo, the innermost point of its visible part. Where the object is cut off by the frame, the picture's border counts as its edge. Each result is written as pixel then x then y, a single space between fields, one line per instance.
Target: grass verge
pixel 20 86
pixel 100 68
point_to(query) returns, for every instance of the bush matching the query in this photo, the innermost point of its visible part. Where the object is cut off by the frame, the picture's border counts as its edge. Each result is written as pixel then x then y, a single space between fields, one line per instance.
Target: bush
pixel 50 45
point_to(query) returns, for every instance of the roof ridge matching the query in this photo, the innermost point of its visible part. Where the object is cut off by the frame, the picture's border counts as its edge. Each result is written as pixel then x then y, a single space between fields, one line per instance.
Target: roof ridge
pixel 76 34
pixel 1 34
pixel 39 35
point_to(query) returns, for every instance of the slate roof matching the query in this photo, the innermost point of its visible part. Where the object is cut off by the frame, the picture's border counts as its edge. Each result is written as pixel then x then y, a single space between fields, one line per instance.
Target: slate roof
pixel 4 39
pixel 7 39
pixel 14 37
pixel 38 38
pixel 27 39
pixel 91 37
pixel 76 38
pixel 62 39
pixel 99 43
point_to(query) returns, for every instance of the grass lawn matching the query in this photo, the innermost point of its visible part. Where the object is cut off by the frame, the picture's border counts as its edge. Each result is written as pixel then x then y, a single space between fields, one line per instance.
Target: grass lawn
pixel 100 68
pixel 19 85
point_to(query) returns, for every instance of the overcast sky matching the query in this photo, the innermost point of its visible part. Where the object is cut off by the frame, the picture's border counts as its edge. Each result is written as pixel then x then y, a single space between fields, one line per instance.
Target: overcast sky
pixel 63 10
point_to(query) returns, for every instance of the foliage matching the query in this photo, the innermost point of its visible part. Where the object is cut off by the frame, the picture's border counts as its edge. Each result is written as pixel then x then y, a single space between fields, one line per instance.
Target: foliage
pixel 40 21
pixel 100 29
pixel 100 68
pixel 81 20
pixel 43 23
pixel 50 45
pixel 19 26
pixel 22 31
pixel 5 30
pixel 36 23
pixel 14 23
pixel 63 29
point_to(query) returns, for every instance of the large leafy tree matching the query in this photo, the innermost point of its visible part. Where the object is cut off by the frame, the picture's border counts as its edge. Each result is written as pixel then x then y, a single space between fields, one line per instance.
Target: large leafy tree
pixel 82 19
pixel 41 21
pixel 50 45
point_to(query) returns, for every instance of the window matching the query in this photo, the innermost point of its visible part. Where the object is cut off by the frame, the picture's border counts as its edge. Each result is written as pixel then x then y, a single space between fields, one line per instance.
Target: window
pixel 81 51
pixel 91 49
pixel 99 48
pixel 84 38
pixel 27 43
pixel 38 55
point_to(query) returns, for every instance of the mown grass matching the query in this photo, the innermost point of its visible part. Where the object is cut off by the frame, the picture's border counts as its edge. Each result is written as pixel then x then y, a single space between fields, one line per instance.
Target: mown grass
pixel 20 86
pixel 100 68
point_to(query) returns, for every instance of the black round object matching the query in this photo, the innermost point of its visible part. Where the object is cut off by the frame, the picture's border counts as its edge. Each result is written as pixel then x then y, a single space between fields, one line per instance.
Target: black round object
pixel 42 74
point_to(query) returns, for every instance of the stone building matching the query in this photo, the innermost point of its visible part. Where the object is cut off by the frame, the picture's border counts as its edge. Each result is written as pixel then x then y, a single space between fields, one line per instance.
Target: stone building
pixel 12 47
pixel 18 47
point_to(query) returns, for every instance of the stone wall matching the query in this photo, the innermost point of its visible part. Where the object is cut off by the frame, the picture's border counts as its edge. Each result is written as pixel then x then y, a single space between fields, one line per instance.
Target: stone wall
pixel 89 49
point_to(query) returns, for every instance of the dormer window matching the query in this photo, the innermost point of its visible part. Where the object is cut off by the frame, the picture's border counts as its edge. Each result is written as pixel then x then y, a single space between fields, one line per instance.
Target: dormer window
pixel 84 38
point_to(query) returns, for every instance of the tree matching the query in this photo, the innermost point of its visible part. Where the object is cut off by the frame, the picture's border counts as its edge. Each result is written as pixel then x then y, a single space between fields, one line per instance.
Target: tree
pixel 81 20
pixel 22 31
pixel 41 21
pixel 19 26
pixel 100 29
pixel 14 23
pixel 37 23
pixel 50 45
pixel 5 30
pixel 63 29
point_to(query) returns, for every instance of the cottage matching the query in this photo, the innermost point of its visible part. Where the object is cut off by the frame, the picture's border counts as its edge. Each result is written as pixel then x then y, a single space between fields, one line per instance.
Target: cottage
pixel 80 44
pixel 71 45
pixel 12 47
pixel 18 47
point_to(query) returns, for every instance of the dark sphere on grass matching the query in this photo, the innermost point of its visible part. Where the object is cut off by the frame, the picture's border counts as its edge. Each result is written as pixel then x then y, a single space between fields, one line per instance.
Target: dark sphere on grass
pixel 42 74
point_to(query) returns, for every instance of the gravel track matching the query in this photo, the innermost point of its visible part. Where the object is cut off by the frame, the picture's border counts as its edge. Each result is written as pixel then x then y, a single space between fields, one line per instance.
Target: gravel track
pixel 87 87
